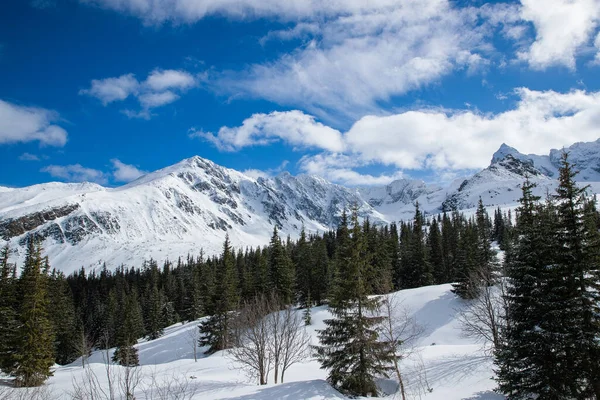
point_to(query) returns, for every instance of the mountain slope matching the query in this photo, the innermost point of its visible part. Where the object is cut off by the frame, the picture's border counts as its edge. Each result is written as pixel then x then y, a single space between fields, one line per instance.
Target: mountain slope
pixel 193 204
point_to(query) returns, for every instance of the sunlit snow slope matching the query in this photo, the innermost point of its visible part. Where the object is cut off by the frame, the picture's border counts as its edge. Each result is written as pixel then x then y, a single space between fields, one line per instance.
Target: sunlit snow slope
pixel 451 365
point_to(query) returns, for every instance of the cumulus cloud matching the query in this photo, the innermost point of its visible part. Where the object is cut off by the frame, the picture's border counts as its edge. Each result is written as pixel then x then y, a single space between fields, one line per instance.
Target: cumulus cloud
pixel 125 172
pixel 152 100
pixel 462 139
pixel 28 124
pixel 160 80
pixel 76 173
pixel 562 28
pixel 156 91
pixel 293 127
pixel 112 89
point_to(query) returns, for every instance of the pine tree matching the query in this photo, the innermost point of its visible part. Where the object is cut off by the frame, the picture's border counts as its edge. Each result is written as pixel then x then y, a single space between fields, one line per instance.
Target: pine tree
pixel 304 270
pixel 435 252
pixel 8 314
pixel 592 305
pixel 216 330
pixel 522 365
pixel 281 273
pixel 575 286
pixel 34 354
pixel 350 348
pixel 153 305
pixel 130 329
pixel 64 319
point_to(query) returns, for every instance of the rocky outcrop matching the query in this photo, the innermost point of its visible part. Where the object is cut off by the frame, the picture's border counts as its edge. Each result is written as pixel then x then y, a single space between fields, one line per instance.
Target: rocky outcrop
pixel 13 227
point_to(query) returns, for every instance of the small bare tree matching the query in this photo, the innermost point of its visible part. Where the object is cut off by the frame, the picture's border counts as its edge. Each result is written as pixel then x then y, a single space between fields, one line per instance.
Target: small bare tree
pixel 484 317
pixel 400 330
pixel 121 382
pixel 192 338
pixel 84 347
pixel 252 335
pixel 294 340
pixel 268 338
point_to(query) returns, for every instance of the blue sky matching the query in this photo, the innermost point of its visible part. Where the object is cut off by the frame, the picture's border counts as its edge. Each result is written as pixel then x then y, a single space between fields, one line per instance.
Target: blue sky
pixel 360 93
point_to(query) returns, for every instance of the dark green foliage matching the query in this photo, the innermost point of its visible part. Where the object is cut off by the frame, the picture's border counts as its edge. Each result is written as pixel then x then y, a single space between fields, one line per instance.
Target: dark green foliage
pixel 350 348
pixel 130 329
pixel 34 350
pixel 551 348
pixel 476 263
pixel 8 314
pixel 216 330
pixel 281 270
pixel 64 319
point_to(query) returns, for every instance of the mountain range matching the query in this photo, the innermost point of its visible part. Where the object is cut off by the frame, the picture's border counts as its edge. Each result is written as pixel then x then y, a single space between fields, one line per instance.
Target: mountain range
pixel 190 206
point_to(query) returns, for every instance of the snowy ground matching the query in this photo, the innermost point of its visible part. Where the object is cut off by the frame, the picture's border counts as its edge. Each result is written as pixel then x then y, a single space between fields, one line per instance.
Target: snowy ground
pixel 453 366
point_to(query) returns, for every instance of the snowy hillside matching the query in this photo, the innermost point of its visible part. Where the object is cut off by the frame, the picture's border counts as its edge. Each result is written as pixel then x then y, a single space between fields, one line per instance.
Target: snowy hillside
pixel 192 205
pixel 448 363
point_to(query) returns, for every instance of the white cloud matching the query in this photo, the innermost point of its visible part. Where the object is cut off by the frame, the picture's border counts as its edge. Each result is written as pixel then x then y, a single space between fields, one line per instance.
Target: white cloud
pixel 444 141
pixel 562 28
pixel 356 61
pixel 28 157
pixel 293 127
pixel 141 114
pixel 28 124
pixel 75 173
pixel 113 89
pixel 338 168
pixel 156 91
pixel 259 173
pixel 125 172
pixel 152 100
pixel 465 139
pixel 188 11
pixel 160 80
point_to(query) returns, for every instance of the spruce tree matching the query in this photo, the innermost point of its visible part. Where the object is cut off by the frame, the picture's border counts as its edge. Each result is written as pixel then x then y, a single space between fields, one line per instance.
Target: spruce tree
pixel 575 286
pixel 522 361
pixel 350 348
pixel 130 329
pixel 64 319
pixel 216 330
pixel 34 353
pixel 8 314
pixel 153 305
pixel 281 272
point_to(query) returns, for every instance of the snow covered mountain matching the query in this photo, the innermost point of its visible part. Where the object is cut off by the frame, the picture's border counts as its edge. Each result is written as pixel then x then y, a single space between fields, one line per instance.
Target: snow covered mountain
pixel 193 204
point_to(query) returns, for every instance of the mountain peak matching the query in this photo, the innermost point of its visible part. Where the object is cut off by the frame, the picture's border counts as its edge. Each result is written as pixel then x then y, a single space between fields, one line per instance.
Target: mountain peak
pixel 503 151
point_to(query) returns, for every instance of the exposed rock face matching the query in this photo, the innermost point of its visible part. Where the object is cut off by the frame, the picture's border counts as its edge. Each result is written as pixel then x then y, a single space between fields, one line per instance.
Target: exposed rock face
pixel 12 227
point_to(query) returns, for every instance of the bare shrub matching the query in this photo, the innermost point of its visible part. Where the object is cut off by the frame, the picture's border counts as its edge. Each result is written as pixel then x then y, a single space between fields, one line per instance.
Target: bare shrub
pixel 268 338
pixel 484 317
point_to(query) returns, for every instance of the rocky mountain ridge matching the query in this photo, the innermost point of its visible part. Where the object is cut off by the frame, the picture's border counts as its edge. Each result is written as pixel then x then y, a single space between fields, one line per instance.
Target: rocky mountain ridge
pixel 193 204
